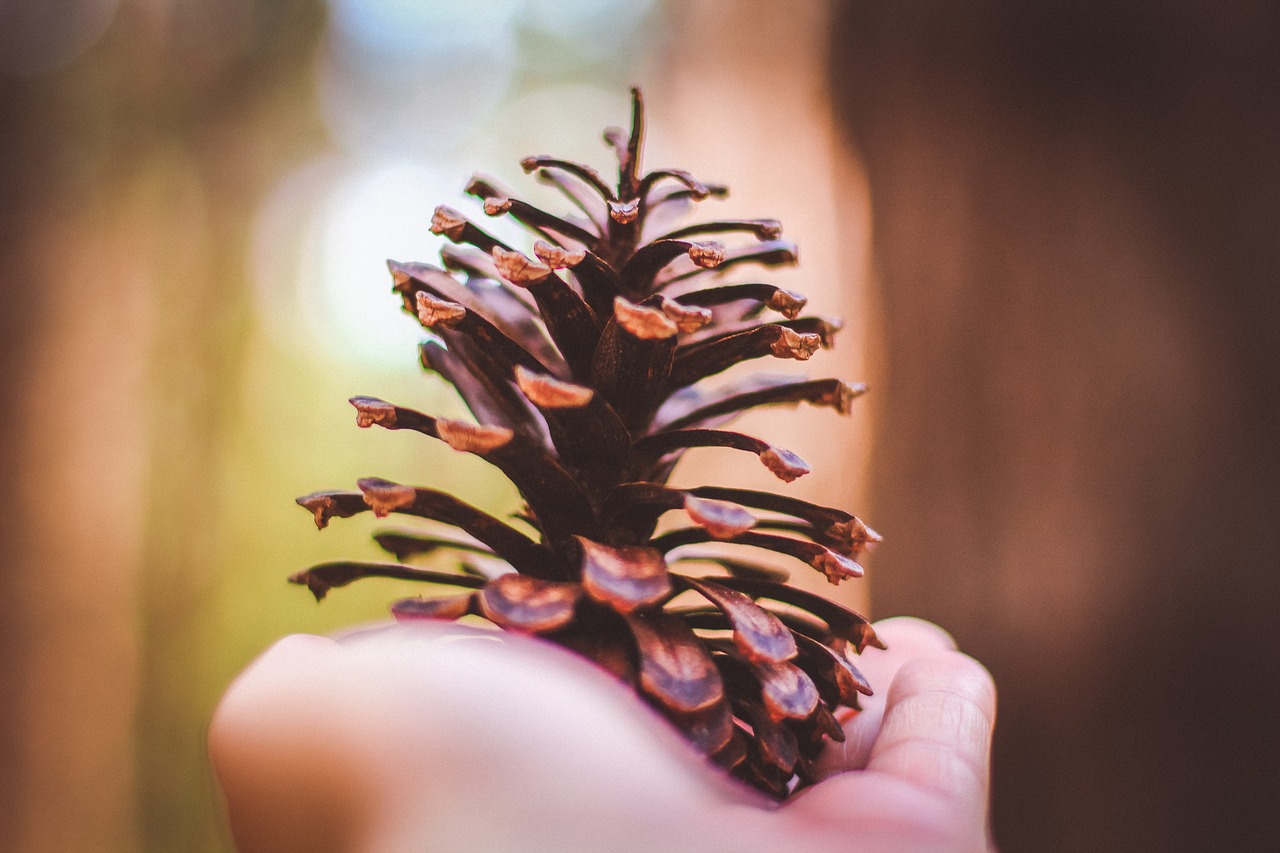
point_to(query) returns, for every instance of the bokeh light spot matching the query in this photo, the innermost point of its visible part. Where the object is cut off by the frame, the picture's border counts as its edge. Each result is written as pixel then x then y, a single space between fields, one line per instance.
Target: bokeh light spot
pixel 319 245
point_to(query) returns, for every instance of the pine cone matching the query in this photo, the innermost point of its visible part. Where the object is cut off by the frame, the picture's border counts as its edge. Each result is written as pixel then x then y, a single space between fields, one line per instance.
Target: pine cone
pixel 584 366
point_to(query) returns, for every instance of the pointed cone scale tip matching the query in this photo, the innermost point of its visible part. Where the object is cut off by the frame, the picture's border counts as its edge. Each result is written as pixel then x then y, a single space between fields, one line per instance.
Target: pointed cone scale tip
pixel 547 392
pixel 624 212
pixel 496 206
pixel 795 345
pixel 312 582
pixel 722 519
pixel 555 257
pixel 400 277
pixel 644 323
pixel 854 535
pixel 836 567
pixel 371 411
pixel 856 678
pixel 438 312
pixel 624 578
pixel 784 464
pixel 472 438
pixel 480 186
pixel 826 723
pixel 385 497
pixel 319 505
pixel 517 268
pixel 332 504
pixel 687 319
pixel 841 399
pixel 447 222
pixel 788 303
pixel 870 638
pixel 708 255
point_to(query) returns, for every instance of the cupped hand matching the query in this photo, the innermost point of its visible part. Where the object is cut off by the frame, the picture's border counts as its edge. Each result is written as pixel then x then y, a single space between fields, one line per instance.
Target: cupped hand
pixel 425 737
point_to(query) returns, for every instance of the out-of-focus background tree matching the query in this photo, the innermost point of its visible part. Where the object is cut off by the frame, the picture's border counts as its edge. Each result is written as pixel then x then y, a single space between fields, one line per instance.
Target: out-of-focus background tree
pixel 1076 224
pixel 1052 230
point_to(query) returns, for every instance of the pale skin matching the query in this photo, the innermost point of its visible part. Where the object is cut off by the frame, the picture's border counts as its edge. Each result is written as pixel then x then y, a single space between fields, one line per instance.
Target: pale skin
pixel 431 737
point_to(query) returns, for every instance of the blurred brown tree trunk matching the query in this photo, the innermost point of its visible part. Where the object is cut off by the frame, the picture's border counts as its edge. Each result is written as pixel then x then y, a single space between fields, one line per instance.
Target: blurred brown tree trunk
pixel 1076 212
pixel 762 71
pixel 129 178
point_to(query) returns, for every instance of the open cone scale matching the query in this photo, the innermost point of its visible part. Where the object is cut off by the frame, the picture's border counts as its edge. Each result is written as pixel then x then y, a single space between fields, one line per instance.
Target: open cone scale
pixel 589 365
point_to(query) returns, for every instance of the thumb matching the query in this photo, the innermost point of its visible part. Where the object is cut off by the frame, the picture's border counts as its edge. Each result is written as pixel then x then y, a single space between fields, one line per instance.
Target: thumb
pixel 936 733
pixel 926 778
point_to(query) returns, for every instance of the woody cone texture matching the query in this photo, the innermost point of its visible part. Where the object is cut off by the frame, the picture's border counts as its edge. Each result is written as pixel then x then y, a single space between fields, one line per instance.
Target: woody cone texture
pixel 590 367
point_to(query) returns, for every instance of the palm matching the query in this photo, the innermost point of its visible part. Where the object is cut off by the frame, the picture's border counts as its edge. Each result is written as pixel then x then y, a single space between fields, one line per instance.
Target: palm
pixel 444 739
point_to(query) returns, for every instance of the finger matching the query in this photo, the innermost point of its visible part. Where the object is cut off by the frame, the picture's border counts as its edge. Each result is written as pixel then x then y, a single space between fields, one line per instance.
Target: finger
pixel 260 748
pixel 907 638
pixel 936 731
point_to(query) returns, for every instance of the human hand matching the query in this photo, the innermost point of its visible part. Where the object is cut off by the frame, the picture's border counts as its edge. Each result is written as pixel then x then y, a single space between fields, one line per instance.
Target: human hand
pixel 439 737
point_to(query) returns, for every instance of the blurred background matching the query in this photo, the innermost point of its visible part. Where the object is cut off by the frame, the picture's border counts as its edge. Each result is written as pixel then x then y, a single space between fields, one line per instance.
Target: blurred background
pixel 1052 229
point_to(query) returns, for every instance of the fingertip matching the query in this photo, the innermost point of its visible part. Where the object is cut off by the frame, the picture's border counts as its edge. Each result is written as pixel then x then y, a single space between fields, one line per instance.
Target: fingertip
pixel 937 727
pixel 980 679
pixel 913 631
pixel 289 654
pixel 286 784
pixel 293 649
pixel 951 673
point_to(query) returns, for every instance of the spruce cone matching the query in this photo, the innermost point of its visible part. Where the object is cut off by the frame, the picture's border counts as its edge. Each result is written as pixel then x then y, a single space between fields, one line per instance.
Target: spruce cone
pixel 584 366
